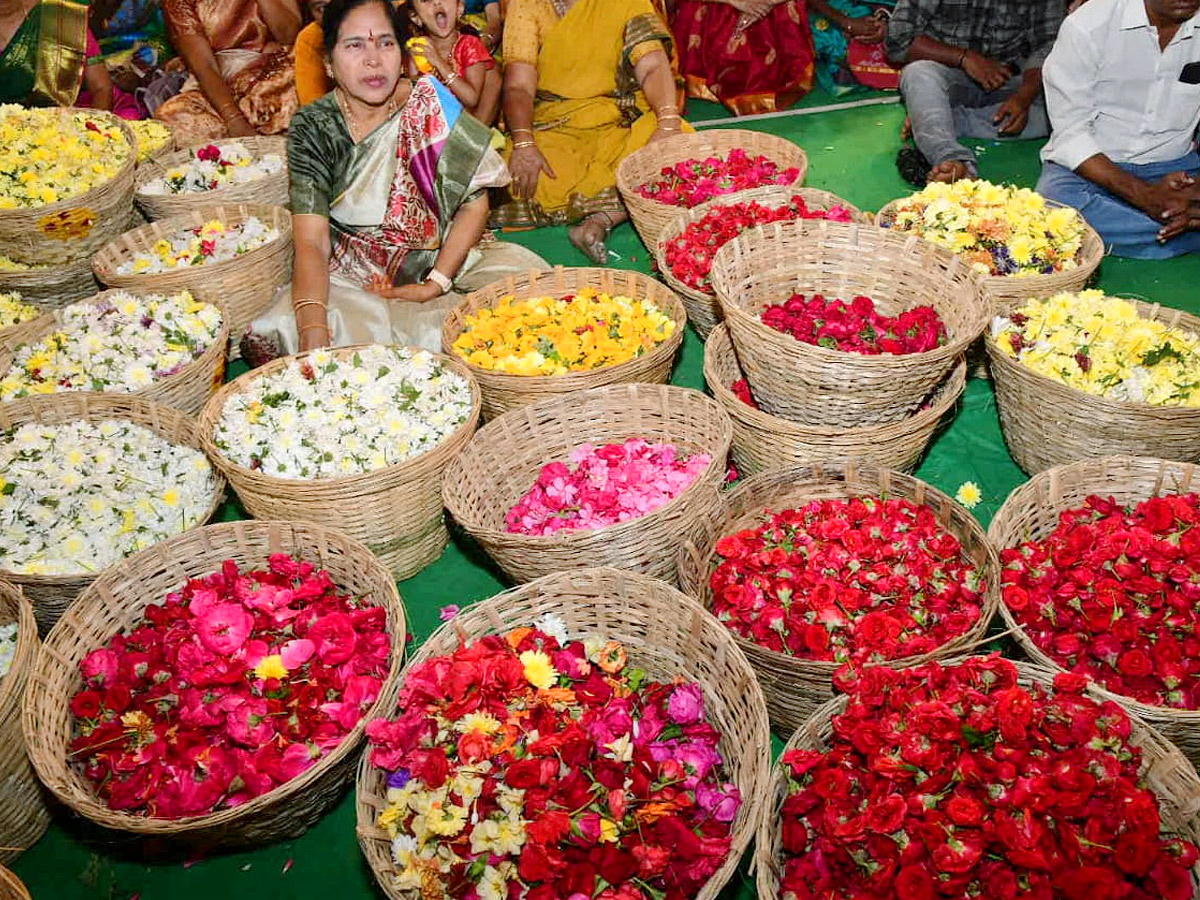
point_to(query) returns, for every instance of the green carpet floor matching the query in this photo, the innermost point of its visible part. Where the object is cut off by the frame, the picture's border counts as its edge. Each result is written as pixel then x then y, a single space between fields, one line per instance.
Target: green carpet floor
pixel 851 152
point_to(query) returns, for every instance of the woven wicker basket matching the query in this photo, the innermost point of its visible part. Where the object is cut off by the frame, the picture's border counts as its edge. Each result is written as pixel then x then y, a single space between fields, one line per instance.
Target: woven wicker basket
pixel 504 459
pixel 649 216
pixel 819 386
pixel 395 511
pixel 665 633
pixel 186 390
pixel 23 812
pixel 270 190
pixel 51 595
pixel 1002 289
pixel 702 308
pixel 1031 513
pixel 53 286
pixel 1046 423
pixel 246 284
pixel 11 887
pixel 118 599
pixel 502 392
pixel 795 687
pixel 1165 769
pixel 763 441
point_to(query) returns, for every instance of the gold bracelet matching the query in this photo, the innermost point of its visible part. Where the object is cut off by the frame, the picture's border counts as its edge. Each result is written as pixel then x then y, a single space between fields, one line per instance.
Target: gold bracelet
pixel 668 116
pixel 522 130
pixel 453 78
pixel 312 325
pixel 517 145
pixel 302 302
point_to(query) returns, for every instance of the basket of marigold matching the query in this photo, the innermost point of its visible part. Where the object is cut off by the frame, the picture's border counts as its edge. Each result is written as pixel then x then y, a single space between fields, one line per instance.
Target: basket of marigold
pixel 544 334
pixel 1087 375
pixel 68 185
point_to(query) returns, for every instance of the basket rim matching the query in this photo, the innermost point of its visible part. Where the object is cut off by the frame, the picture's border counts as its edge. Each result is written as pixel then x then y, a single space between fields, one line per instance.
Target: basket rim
pixel 11 688
pixel 184 154
pixel 224 535
pixel 206 423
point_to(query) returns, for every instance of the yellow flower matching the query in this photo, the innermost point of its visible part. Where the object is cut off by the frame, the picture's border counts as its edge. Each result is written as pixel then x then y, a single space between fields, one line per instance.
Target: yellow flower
pixel 539 671
pixel 968 494
pixel 271 667
pixel 51 155
pixel 609 832
pixel 446 821
pixel 13 311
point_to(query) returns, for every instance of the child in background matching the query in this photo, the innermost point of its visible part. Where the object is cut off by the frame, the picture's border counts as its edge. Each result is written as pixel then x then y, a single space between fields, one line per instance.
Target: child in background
pixel 460 61
pixel 485 17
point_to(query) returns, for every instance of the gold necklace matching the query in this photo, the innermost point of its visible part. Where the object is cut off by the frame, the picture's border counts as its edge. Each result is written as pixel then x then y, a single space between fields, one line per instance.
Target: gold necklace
pixel 352 121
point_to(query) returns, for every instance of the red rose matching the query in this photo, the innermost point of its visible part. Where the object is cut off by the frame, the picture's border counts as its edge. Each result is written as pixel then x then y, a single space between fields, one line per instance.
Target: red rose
pixel 914 883
pixel 86 705
pixel 886 815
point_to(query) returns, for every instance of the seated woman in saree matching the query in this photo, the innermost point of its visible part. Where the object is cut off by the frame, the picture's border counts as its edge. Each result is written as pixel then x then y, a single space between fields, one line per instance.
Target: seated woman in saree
pixel 848 38
pixel 753 56
pixel 574 116
pixel 389 184
pixel 239 55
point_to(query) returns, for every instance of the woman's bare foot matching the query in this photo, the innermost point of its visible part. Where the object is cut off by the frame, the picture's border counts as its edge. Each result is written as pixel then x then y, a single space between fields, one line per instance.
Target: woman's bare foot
pixel 589 236
pixel 950 171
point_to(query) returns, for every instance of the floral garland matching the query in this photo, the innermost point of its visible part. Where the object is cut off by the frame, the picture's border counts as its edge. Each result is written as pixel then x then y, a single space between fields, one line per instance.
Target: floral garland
pixel 543 766
pixel 77 497
pixel 614 483
pixel 866 579
pixel 212 242
pixel 328 415
pixel 8 647
pixel 151 135
pixel 1112 593
pixel 556 335
pixel 693 181
pixel 215 166
pixel 234 685
pixel 48 155
pixel 1101 345
pixel 119 343
pixel 959 782
pixel 14 311
pixel 998 229
pixel 856 327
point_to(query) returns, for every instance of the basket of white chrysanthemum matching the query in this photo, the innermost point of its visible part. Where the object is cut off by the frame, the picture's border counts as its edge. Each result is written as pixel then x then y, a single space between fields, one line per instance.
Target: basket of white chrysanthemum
pixel 238 170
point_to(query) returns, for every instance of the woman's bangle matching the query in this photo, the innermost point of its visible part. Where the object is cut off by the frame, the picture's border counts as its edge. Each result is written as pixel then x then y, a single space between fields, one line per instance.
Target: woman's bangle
pixel 521 130
pixel 517 145
pixel 302 302
pixel 450 79
pixel 311 325
pixel 440 280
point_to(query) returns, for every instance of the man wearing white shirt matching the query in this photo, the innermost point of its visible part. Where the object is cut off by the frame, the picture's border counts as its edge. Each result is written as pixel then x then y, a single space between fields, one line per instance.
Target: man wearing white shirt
pixel 1123 93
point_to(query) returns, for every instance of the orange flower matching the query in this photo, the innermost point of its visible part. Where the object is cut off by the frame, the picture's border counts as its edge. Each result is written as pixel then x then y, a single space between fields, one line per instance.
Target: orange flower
pixel 652 812
pixel 517 635
pixel 612 657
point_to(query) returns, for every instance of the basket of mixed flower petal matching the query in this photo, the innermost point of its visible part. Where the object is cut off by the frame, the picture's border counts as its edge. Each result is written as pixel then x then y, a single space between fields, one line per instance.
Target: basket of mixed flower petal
pixel 165 348
pixel 1088 374
pixel 212 692
pixel 234 170
pixel 242 254
pixel 614 745
pixel 545 334
pixel 685 170
pixel 66 183
pixel 355 438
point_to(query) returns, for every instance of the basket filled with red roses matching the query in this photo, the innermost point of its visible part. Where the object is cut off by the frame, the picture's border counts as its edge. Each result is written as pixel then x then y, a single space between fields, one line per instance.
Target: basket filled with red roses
pixel 813 567
pixel 1101 562
pixel 613 476
pixel 211 691
pixel 686 170
pixel 845 325
pixel 593 733
pixel 981 778
pixel 763 441
pixel 688 243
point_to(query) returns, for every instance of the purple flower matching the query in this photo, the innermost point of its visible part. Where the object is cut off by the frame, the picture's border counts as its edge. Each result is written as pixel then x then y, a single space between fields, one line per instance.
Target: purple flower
pixel 446 613
pixel 399 778
pixel 686 705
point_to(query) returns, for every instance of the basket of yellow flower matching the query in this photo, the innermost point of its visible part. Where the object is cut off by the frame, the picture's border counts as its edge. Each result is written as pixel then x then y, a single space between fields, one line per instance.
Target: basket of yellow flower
pixel 155 140
pixel 844 325
pixel 1086 375
pixel 545 334
pixel 91 478
pixel 11 887
pixel 48 287
pixel 23 812
pixel 616 475
pixel 69 189
pixel 16 319
pixel 685 170
pixel 1022 244
pixel 234 170
pixel 763 441
pixel 242 254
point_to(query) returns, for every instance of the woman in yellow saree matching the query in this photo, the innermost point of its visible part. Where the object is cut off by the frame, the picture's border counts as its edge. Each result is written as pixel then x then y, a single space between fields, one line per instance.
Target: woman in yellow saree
pixel 586 83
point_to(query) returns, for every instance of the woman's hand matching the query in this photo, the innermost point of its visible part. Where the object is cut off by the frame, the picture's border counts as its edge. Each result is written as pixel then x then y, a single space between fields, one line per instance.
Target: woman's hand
pixel 868 29
pixel 313 338
pixel 661 134
pixel 238 126
pixel 527 165
pixel 412 293
pixel 753 10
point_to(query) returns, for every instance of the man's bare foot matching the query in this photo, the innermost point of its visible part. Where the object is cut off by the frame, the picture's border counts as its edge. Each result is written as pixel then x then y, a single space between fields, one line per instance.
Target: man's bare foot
pixel 589 235
pixel 950 171
pixel 906 129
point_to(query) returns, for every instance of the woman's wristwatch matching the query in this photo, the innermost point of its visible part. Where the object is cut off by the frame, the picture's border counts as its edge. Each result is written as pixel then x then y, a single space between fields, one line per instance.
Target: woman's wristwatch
pixel 440 280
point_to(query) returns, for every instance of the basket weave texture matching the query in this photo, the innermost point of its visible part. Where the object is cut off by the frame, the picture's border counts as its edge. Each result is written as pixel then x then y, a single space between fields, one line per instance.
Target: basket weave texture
pixel 665 633
pixel 185 390
pixel 71 230
pixel 1004 289
pixel 1167 773
pixel 504 459
pixel 54 286
pixel 270 190
pixel 502 391
pixel 1031 513
pixel 702 308
pixel 51 595
pixel 118 599
pixel 395 511
pixel 1046 423
pixel 23 812
pixel 649 216
pixel 763 441
pixel 795 687
pixel 246 284
pixel 11 887
pixel 819 386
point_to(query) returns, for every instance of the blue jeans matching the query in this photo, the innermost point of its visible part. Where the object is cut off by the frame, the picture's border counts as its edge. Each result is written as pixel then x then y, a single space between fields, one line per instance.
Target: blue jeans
pixel 1126 230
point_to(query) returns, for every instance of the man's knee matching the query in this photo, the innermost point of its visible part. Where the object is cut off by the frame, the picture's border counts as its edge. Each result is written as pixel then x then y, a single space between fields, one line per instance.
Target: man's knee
pixel 924 74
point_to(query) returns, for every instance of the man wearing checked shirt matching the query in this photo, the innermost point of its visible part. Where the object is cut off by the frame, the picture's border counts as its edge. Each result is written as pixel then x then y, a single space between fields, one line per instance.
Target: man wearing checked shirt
pixel 1123 92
